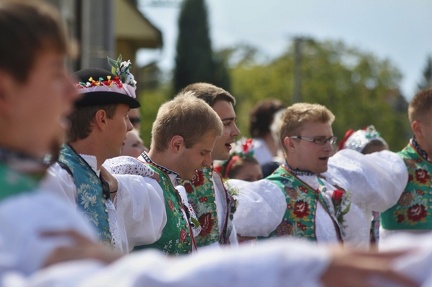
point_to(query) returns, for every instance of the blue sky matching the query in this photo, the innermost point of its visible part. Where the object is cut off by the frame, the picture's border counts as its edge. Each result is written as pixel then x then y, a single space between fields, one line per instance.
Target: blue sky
pixel 398 30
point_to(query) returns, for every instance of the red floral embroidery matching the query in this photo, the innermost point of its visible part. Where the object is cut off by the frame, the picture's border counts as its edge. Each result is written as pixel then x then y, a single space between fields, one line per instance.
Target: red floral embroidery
pixel 301 226
pixel 285 228
pixel 203 199
pixel 206 222
pixel 198 178
pixel 301 209
pixel 416 212
pixel 188 187
pixel 183 235
pixel 422 176
pixel 400 218
pixel 171 205
pixel 303 189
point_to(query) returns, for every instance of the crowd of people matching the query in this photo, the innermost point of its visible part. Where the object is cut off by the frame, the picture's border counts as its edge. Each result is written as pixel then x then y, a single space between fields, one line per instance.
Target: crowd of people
pixel 81 204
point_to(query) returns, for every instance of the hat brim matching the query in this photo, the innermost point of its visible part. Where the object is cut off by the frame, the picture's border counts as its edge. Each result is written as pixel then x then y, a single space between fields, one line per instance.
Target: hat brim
pixel 106 98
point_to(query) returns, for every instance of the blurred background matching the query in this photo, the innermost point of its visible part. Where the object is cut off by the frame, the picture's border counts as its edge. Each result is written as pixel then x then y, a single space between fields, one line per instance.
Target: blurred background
pixel 362 59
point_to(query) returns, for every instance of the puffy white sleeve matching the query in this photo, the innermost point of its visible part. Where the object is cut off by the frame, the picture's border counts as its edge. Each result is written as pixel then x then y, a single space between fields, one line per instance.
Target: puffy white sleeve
pixel 23 218
pixel 59 182
pixel 273 263
pixel 375 181
pixel 140 207
pixel 261 207
pixel 127 165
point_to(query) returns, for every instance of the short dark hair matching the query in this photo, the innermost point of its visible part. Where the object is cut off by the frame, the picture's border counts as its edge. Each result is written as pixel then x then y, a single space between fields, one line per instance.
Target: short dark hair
pixel 209 93
pixel 262 115
pixel 81 120
pixel 28 28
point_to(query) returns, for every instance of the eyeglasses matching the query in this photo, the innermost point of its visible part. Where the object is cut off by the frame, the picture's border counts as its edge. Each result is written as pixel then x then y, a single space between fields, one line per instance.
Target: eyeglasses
pixel 135 120
pixel 317 140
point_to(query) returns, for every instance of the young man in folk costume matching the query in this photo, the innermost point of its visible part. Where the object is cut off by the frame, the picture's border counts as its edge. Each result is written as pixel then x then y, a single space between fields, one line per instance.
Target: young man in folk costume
pixel 34 96
pixel 183 136
pixel 412 213
pixel 126 212
pixel 315 194
pixel 207 193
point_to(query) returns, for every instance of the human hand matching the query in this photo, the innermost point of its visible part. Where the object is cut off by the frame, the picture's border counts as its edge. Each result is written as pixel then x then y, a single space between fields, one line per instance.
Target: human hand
pixel 110 179
pixel 83 248
pixel 364 269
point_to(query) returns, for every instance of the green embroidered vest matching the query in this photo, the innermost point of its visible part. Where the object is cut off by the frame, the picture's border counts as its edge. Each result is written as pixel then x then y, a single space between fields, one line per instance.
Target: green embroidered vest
pixel 14 183
pixel 300 215
pixel 89 193
pixel 413 210
pixel 176 236
pixel 201 196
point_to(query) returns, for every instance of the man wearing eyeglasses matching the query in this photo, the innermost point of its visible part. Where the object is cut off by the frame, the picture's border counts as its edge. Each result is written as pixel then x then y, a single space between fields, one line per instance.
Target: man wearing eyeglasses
pixel 317 194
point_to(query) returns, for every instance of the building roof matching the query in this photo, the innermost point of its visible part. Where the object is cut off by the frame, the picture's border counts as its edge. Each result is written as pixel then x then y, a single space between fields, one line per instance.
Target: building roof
pixel 132 26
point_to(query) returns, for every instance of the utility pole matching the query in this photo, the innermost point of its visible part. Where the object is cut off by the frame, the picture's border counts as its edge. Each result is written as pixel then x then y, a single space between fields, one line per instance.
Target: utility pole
pixel 296 97
pixel 299 42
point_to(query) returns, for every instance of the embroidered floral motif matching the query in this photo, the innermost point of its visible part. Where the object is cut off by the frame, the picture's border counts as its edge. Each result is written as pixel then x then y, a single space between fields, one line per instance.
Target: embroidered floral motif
pixel 183 235
pixel 341 204
pixel 422 176
pixel 201 197
pixel 417 212
pixel 171 205
pixel 207 223
pixel 188 187
pixel 285 228
pixel 301 209
pixel 411 210
pixel 198 179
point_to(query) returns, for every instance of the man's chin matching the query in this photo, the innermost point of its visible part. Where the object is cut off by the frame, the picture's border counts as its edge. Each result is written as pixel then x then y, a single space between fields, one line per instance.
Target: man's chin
pixel 221 156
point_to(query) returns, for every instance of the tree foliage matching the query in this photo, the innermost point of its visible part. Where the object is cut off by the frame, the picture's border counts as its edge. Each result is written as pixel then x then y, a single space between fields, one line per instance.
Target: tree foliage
pixel 356 86
pixel 195 60
pixel 426 82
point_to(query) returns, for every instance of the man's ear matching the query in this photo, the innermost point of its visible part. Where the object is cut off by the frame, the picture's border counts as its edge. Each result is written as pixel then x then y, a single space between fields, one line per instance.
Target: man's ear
pixel 100 119
pixel 176 143
pixel 417 129
pixel 288 143
pixel 7 93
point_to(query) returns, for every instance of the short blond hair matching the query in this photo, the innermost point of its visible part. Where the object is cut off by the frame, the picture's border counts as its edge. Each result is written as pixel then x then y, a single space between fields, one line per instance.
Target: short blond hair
pixel 420 106
pixel 186 116
pixel 298 114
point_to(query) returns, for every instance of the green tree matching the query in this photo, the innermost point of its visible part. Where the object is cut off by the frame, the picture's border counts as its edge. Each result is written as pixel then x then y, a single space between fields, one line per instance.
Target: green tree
pixel 195 60
pixel 426 82
pixel 358 87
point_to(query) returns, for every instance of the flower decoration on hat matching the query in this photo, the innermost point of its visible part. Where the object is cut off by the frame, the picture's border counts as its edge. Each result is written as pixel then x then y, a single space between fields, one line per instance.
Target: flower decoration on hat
pixel 102 87
pixel 241 149
pixel 122 70
pixel 357 140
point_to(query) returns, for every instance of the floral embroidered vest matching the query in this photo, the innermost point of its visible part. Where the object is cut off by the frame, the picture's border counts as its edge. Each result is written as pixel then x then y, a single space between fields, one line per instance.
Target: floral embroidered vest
pixel 89 193
pixel 176 236
pixel 201 195
pixel 300 216
pixel 13 183
pixel 413 210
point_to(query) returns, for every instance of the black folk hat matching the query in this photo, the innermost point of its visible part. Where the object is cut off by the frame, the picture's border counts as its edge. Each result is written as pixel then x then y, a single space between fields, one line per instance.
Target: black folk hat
pixel 101 87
